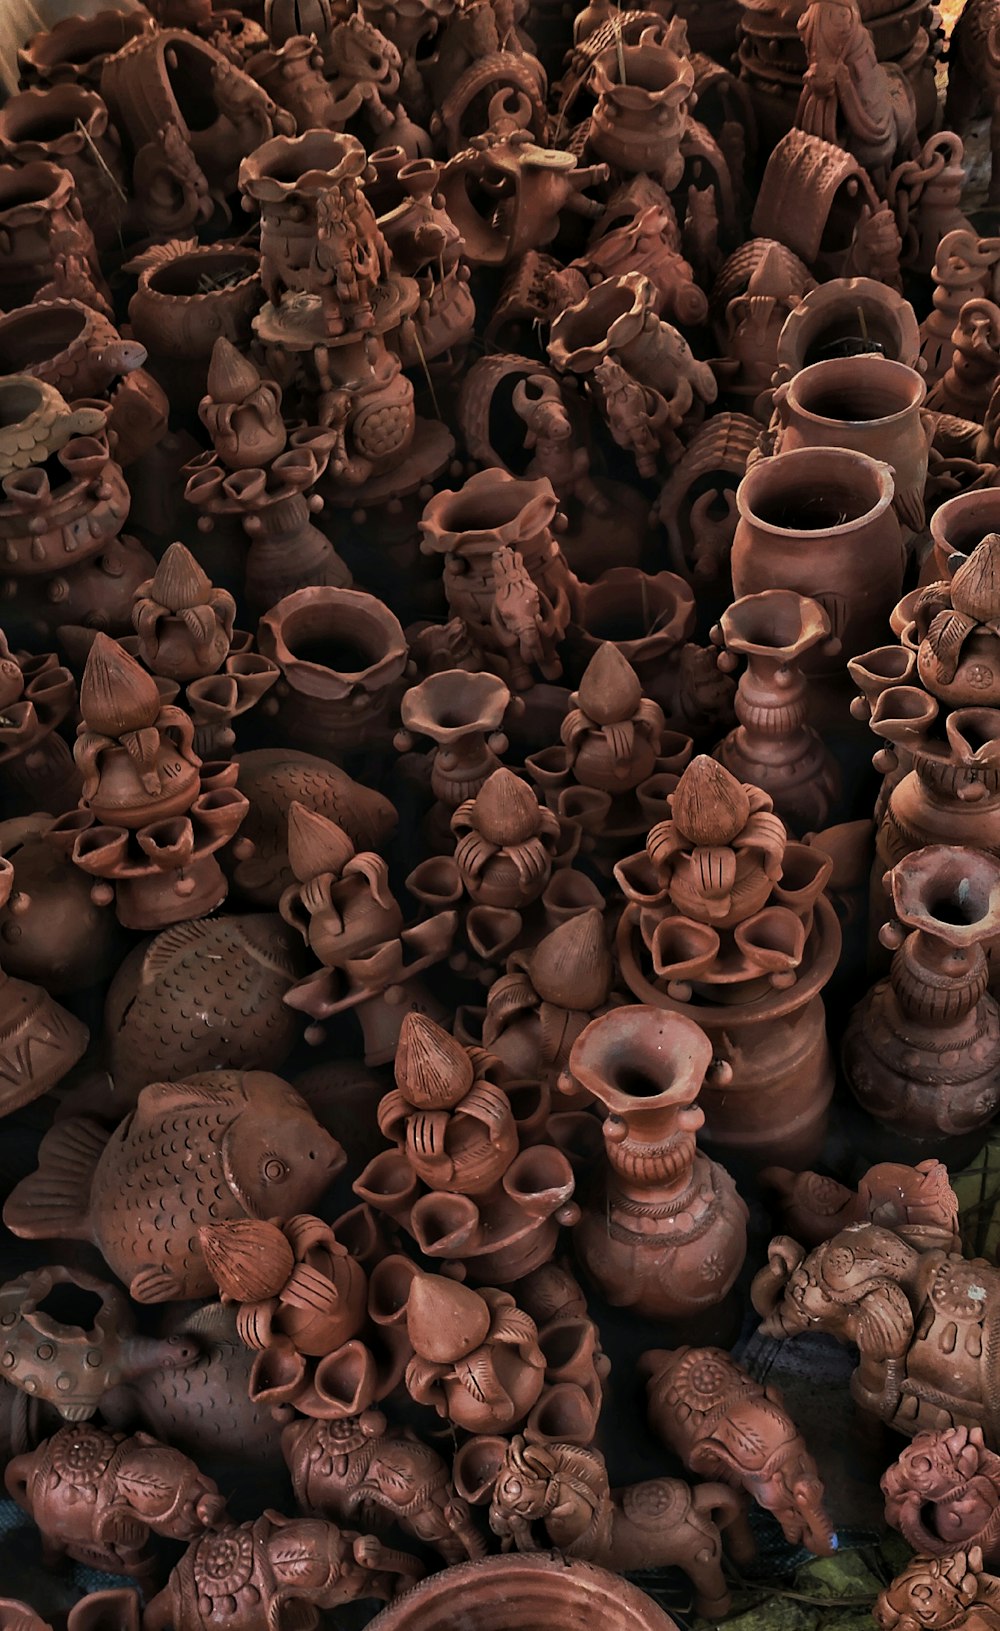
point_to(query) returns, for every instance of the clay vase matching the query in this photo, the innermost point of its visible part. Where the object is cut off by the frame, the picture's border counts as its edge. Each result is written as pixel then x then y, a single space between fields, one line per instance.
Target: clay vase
pixel 922 1051
pixel 533 1592
pixel 462 713
pixel 69 126
pixel 663 1231
pixel 871 405
pixel 341 654
pixel 819 520
pixel 772 746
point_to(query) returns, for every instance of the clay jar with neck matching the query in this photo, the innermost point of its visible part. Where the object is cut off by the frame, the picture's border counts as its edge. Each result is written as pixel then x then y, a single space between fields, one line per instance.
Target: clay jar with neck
pixel 772 746
pixel 341 654
pixel 663 1231
pixel 819 520
pixel 871 405
pixel 922 1051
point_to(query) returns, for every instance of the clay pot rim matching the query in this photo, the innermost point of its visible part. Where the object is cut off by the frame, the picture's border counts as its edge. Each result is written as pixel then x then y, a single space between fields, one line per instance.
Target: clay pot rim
pixel 40 185
pixel 779 606
pixel 303 164
pixel 927 879
pixel 360 611
pixel 133 23
pixel 631 295
pixel 200 252
pixel 91 110
pixel 483 698
pixel 850 370
pixel 607 1599
pixel 534 494
pixel 765 470
pixel 803 324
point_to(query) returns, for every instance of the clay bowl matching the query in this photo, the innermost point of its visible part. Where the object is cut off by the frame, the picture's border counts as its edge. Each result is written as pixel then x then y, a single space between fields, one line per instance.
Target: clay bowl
pixel 534 1593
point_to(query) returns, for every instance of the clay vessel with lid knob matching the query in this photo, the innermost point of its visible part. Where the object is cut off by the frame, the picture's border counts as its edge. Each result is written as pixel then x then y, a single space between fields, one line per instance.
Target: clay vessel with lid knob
pixel 773 747
pixel 922 1052
pixel 820 521
pixel 867 403
pixel 727 922
pixel 536 1591
pixel 341 654
pixel 677 1235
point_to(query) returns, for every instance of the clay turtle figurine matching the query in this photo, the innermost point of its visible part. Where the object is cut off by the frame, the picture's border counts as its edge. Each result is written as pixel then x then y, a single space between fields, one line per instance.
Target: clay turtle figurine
pixel 222 1145
pixel 97 1496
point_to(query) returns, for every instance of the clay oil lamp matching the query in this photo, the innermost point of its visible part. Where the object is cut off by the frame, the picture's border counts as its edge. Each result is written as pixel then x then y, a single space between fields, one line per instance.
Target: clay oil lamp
pixel 738 934
pixel 463 715
pixel 922 1052
pixel 184 633
pixel 152 816
pixel 464 1180
pixel 617 761
pixel 459 1334
pixel 344 910
pixel 773 747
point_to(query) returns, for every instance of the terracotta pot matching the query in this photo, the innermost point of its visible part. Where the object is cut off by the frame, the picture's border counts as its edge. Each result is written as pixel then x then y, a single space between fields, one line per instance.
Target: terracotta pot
pixel 68 125
pixel 47 244
pixel 871 405
pixel 820 521
pixel 534 1593
pixel 664 1233
pixel 341 653
pixel 188 296
pixel 77 47
pixel 960 523
pixel 51 931
pixel 846 317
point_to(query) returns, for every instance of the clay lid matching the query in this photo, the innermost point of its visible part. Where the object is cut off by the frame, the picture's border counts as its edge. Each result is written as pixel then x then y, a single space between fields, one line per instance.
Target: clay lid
pixel 572 966
pixel 117 695
pixel 316 844
pixel 178 581
pixel 232 377
pixel 445 1320
pixel 247 1258
pixel 432 1068
pixel 505 810
pixel 609 690
pixel 709 805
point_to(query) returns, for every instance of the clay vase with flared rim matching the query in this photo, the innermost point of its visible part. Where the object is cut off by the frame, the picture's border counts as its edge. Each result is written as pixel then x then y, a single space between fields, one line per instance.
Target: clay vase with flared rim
pixel 958 525
pixel 68 125
pixel 773 747
pixel 534 1593
pixel 663 1230
pixel 771 1079
pixel 922 1051
pixel 463 714
pixel 467 527
pixel 341 654
pixel 41 219
pixel 819 520
pixel 51 931
pixel 846 317
pixel 187 297
pixel 871 405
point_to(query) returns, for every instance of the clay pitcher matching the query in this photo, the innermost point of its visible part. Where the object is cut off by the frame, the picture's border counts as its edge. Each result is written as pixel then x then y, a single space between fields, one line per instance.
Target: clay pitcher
pixel 820 520
pixel 869 404
pixel 664 1234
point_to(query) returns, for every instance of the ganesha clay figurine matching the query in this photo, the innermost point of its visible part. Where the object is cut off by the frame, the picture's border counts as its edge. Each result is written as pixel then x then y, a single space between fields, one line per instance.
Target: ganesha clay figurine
pixel 952 1593
pixel 724 1424
pixel 663 1230
pixel 97 1496
pixel 943 1494
pixel 922 1323
pixel 223 1145
pixel 361 1470
pixel 275 1574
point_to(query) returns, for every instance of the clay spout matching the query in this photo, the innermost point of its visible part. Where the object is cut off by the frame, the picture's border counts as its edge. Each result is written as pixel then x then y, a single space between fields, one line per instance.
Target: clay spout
pixel 540 1183
pixel 447 1225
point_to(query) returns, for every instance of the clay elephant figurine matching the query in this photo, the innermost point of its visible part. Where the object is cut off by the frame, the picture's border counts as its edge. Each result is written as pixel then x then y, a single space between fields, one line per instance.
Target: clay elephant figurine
pixel 662 1522
pixel 943 1492
pixel 97 1496
pixel 926 1324
pixel 276 1574
pixel 724 1424
pixel 941 1594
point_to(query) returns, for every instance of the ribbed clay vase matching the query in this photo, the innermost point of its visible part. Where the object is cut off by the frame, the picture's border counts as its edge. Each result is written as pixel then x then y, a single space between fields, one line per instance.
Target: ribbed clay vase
pixel 922 1051
pixel 535 1593
pixel 869 404
pixel 341 653
pixel 820 520
pixel 663 1230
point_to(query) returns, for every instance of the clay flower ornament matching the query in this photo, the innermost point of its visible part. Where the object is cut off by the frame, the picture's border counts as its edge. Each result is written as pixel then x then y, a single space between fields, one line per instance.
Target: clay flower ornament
pixel 476 1357
pixel 956 627
pixel 152 814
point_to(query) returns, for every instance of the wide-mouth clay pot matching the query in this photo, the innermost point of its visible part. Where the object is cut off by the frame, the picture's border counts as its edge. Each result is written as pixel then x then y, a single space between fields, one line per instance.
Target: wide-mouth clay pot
pixel 960 523
pixel 534 1593
pixel 846 317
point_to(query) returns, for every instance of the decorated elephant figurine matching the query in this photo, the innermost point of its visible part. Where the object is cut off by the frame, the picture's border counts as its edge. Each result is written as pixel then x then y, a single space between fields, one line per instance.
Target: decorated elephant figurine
pixel 275 1574
pixel 97 1496
pixel 943 1492
pixel 941 1594
pixel 726 1425
pixel 926 1324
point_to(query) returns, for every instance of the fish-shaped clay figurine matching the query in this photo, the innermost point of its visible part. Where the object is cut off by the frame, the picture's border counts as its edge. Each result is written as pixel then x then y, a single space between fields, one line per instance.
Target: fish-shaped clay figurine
pixel 222 1145
pixel 202 996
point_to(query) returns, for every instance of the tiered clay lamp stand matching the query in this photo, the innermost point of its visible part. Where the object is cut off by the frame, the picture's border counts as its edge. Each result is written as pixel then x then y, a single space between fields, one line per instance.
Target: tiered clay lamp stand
pixel 727 923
